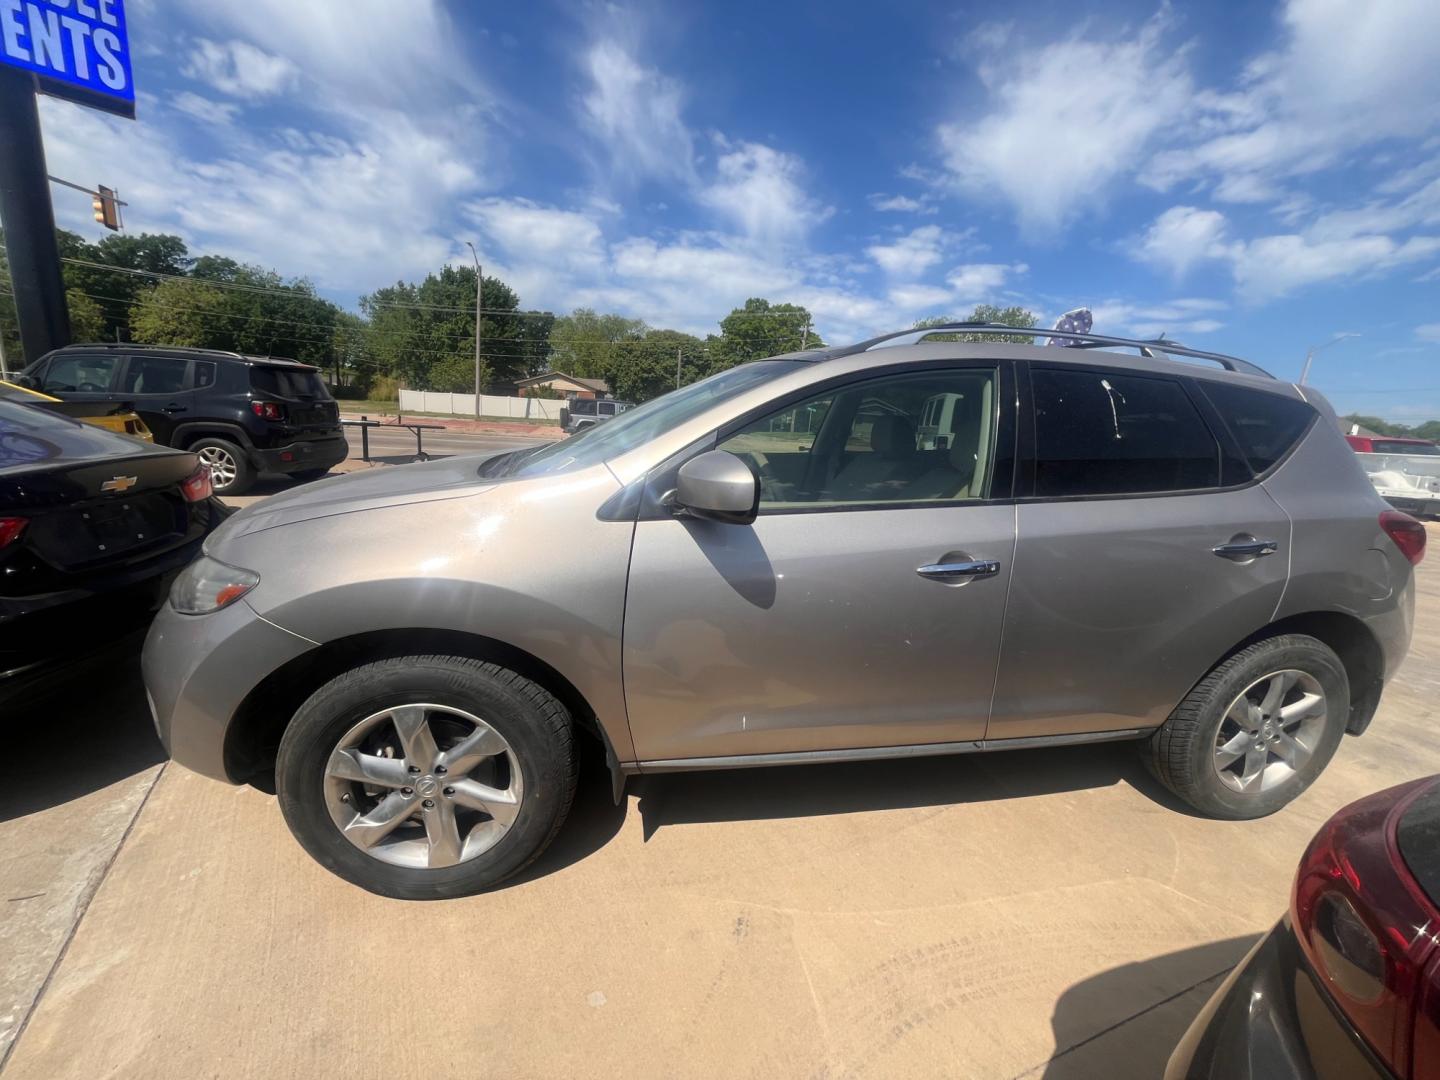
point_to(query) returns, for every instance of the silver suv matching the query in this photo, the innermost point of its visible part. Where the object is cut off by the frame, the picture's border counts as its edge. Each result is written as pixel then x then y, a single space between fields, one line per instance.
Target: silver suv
pixel 864 552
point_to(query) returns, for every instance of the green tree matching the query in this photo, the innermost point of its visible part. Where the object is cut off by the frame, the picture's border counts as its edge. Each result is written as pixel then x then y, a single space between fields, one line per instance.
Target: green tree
pixel 182 313
pixel 989 313
pixel 266 315
pixel 1377 425
pixel 587 345
pixel 760 329
pixel 425 333
pixel 87 321
pixel 115 291
pixel 646 368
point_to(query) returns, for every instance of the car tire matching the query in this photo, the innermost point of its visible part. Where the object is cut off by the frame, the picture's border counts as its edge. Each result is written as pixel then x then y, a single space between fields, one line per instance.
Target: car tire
pixel 230 470
pixel 537 768
pixel 1256 731
pixel 306 475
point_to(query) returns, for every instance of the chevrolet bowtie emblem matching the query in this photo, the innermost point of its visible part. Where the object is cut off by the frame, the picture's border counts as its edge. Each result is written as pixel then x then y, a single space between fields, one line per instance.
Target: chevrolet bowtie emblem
pixel 119 484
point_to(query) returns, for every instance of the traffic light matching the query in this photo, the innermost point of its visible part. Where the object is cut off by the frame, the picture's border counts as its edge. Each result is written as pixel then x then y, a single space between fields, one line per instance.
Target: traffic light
pixel 107 213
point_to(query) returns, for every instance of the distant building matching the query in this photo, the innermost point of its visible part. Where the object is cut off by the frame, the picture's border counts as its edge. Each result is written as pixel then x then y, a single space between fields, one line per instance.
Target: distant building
pixel 569 386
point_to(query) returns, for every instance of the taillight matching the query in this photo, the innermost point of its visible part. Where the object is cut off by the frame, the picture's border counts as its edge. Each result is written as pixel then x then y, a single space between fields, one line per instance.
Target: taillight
pixel 1408 534
pixel 10 530
pixel 1364 923
pixel 266 410
pixel 196 486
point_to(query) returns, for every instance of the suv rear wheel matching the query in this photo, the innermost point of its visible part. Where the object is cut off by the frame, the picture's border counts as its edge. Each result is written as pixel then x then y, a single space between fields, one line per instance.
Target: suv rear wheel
pixel 1256 731
pixel 427 777
pixel 230 470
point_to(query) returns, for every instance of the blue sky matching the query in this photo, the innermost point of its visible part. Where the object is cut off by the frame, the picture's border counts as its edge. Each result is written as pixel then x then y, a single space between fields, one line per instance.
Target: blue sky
pixel 1248 178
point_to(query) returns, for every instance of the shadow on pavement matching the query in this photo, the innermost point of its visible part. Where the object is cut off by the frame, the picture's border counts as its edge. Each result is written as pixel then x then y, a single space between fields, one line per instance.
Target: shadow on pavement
pixel 98 722
pixel 853 787
pixel 1115 1024
pixel 593 821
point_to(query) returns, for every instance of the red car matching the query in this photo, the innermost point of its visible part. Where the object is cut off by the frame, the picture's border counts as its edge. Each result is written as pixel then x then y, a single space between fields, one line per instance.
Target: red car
pixel 1390 444
pixel 1348 983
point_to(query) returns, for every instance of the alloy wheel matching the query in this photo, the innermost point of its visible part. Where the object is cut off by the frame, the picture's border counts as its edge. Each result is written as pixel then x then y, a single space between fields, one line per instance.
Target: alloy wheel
pixel 1270 731
pixel 423 786
pixel 223 468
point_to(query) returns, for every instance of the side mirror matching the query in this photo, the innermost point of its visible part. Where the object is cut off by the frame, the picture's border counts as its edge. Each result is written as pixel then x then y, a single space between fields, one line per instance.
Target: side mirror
pixel 717 486
pixel 29 382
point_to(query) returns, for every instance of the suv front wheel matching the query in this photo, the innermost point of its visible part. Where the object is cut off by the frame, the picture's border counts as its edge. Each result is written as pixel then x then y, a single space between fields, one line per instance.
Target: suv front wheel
pixel 427 777
pixel 230 470
pixel 1255 732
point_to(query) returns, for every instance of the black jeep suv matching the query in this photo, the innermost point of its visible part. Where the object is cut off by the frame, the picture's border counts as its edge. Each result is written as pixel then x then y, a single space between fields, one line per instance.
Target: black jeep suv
pixel 240 414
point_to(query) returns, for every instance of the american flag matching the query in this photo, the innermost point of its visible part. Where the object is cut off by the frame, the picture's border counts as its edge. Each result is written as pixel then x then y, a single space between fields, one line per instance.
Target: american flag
pixel 1078 321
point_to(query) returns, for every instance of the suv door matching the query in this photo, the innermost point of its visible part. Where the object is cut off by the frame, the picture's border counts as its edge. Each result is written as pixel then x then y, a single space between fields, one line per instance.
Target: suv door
pixel 80 376
pixel 1143 553
pixel 159 389
pixel 827 624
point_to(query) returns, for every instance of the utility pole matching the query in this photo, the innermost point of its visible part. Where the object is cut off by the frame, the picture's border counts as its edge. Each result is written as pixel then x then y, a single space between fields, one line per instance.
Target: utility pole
pixel 4 371
pixel 805 339
pixel 479 284
pixel 677 367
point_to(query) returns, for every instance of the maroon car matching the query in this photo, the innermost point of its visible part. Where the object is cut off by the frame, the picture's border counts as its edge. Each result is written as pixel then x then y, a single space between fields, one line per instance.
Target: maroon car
pixel 1348 983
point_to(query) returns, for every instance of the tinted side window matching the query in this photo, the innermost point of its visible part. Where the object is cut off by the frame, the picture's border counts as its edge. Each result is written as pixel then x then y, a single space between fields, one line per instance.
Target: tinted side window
pixel 78 373
pixel 1265 425
pixel 154 375
pixel 1102 433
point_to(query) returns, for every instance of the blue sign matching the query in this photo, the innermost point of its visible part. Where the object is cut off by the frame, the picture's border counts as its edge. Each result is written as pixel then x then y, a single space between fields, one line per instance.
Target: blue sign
pixel 78 48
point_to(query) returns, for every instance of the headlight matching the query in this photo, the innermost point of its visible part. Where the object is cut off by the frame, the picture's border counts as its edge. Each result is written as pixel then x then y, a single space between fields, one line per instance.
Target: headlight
pixel 208 585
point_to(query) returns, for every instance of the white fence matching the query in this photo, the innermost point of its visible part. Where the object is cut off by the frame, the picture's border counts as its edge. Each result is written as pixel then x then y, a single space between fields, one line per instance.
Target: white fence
pixel 520 408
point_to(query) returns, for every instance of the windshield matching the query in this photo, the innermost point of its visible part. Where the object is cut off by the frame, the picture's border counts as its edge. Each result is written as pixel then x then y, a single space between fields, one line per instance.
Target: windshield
pixel 635 427
pixel 1391 446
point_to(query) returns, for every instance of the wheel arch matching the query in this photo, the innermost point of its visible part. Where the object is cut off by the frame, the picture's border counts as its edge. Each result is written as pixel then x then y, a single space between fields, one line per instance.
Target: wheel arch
pixel 1351 640
pixel 186 434
pixel 257 725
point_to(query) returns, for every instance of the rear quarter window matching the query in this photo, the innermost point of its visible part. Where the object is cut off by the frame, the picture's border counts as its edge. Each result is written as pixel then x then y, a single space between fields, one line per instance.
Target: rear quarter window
pixel 1265 425
pixel 288 382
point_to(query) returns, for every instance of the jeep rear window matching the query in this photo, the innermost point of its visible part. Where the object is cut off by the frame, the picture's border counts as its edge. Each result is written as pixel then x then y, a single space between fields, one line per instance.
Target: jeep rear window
pixel 288 382
pixel 1265 425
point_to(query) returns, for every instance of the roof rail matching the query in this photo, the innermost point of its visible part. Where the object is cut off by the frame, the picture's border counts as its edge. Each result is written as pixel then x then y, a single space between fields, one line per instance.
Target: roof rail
pixel 1157 348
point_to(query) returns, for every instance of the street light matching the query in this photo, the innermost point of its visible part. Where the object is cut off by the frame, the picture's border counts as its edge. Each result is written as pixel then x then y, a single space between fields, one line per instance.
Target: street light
pixel 1310 356
pixel 479 280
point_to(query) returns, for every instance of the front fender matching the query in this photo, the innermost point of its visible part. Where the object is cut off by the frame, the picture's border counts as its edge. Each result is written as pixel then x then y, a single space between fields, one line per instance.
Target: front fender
pixel 525 563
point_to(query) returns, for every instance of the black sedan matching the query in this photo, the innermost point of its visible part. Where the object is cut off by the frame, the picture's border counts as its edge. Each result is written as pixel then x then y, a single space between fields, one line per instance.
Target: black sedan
pixel 93 527
pixel 1348 984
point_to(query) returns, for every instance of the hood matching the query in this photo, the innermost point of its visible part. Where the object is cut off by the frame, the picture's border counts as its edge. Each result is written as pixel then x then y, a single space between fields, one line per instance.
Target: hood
pixel 425 481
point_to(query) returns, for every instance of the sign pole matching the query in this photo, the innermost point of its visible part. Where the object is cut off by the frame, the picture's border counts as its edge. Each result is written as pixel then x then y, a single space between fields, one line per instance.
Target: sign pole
pixel 29 221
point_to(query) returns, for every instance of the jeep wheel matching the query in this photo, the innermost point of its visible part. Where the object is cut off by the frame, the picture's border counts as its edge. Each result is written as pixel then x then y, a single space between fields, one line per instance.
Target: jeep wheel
pixel 230 471
pixel 427 777
pixel 1256 731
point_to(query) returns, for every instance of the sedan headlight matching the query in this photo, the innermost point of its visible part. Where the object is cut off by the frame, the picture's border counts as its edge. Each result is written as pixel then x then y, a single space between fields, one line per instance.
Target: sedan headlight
pixel 208 585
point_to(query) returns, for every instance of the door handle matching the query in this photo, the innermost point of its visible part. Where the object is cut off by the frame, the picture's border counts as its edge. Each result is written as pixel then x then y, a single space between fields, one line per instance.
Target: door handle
pixel 173 408
pixel 1246 549
pixel 961 571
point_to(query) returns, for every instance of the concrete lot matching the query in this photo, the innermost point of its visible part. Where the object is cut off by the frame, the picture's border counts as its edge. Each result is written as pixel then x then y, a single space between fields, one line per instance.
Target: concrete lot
pixel 1043 913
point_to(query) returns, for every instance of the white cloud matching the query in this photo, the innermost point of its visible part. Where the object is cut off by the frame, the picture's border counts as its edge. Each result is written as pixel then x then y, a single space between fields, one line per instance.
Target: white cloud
pixel 635 114
pixel 914 297
pixel 240 69
pixel 1273 266
pixel 561 239
pixel 1343 78
pixel 1181 237
pixel 1065 119
pixel 757 189
pixel 901 204
pixel 1428 332
pixel 912 254
pixel 979 281
pixel 1185 316
pixel 204 109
